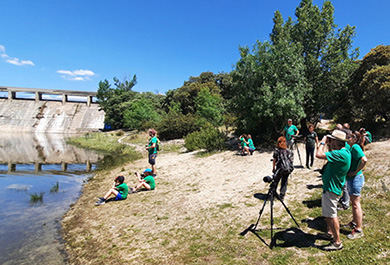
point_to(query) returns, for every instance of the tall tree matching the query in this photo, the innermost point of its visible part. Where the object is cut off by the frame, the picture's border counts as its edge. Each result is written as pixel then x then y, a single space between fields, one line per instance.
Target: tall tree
pixel 114 101
pixel 369 92
pixel 268 87
pixel 300 73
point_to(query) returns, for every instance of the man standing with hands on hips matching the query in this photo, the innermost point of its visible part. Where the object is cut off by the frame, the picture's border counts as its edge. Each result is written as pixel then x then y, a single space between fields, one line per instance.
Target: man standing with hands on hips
pixel 333 178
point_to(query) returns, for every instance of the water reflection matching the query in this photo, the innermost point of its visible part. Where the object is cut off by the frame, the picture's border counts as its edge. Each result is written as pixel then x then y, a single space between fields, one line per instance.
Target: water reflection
pixel 34 198
pixel 43 151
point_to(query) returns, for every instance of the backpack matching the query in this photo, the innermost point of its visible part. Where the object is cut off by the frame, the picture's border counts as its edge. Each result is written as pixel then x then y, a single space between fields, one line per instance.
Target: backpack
pixel 158 145
pixel 284 162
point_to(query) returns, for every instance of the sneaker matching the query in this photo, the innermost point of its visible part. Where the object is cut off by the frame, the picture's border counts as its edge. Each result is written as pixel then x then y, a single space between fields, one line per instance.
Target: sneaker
pixel 100 202
pixel 351 225
pixel 325 236
pixel 355 234
pixel 342 208
pixel 332 247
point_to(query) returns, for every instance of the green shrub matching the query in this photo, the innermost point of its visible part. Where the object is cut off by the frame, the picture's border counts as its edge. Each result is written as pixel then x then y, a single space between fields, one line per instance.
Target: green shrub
pixel 177 125
pixel 208 138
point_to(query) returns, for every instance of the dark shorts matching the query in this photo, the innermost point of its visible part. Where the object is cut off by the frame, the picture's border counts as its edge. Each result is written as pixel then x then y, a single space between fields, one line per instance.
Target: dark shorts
pixel 118 197
pixel 152 159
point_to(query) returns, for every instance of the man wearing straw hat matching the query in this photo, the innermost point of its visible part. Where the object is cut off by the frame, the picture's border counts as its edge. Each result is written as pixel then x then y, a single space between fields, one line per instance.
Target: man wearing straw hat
pixel 333 178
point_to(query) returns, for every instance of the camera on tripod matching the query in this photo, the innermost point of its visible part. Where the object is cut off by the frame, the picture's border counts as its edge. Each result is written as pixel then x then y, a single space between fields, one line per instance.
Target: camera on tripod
pixel 270 179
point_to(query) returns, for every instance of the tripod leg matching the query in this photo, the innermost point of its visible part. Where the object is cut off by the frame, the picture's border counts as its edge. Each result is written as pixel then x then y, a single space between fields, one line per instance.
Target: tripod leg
pixel 288 211
pixel 272 217
pixel 261 210
pixel 299 155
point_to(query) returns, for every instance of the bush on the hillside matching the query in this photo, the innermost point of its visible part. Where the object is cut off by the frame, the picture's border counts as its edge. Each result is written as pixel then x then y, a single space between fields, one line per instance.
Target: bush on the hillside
pixel 176 125
pixel 208 138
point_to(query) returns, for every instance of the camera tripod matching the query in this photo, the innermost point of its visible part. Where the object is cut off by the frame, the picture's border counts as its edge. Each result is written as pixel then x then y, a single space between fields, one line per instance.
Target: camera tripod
pixel 296 147
pixel 271 194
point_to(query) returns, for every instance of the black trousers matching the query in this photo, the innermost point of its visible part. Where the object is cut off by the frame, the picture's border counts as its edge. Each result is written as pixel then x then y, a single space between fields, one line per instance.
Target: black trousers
pixel 283 177
pixel 309 155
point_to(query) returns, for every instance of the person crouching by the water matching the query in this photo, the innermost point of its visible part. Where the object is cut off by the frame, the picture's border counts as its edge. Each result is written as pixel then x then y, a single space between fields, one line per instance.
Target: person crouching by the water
pixel 282 164
pixel 145 181
pixel 119 190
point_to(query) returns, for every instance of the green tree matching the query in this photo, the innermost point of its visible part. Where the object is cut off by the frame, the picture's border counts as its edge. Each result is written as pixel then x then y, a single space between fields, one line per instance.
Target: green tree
pixel 142 113
pixel 209 106
pixel 268 87
pixel 114 101
pixel 367 101
pixel 301 72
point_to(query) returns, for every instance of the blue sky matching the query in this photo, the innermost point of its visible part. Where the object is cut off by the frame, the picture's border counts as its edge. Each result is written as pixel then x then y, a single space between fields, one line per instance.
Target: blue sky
pixel 73 44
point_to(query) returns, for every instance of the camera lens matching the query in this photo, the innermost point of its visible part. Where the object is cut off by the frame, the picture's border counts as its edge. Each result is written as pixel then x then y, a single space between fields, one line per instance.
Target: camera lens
pixel 267 179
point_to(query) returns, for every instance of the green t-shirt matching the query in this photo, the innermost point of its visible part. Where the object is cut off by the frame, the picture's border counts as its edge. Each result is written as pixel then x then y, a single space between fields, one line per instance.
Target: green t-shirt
pixel 150 180
pixel 311 139
pixel 369 136
pixel 335 171
pixel 250 144
pixel 123 190
pixel 290 130
pixel 243 144
pixel 356 154
pixel 152 141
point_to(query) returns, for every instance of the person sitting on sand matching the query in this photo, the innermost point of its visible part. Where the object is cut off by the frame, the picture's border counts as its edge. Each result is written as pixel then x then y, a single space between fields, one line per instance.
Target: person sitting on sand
pixel 119 189
pixel 145 181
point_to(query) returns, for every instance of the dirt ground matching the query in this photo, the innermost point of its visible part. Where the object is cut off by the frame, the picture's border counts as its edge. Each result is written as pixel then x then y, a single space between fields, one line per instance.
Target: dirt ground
pixel 191 195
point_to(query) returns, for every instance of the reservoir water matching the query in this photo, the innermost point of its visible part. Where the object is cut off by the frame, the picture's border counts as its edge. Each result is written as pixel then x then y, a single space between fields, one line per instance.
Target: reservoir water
pixel 40 177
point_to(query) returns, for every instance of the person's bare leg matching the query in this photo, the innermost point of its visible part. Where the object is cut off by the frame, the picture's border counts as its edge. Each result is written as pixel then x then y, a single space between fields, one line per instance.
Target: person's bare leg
pixel 111 191
pixel 142 185
pixel 335 228
pixel 357 211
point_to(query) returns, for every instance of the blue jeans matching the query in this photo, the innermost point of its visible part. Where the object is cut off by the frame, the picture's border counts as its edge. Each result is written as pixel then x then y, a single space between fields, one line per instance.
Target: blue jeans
pixel 355 185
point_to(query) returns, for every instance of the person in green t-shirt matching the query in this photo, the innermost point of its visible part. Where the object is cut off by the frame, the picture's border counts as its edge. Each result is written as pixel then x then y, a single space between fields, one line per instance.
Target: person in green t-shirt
pixel 355 183
pixel 243 144
pixel 333 179
pixel 145 181
pixel 119 190
pixel 290 130
pixel 151 147
pixel 367 136
pixel 251 146
pixel 310 140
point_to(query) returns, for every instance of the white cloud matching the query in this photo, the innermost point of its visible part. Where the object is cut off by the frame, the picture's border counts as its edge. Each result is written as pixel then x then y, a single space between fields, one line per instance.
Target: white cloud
pixel 76 75
pixel 19 62
pixel 13 60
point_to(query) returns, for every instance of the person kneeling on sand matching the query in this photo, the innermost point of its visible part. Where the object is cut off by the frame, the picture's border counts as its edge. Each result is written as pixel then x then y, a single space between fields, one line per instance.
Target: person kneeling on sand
pixel 119 190
pixel 145 181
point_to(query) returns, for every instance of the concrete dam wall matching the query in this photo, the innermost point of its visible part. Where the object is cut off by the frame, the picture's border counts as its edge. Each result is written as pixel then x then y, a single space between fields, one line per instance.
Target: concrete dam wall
pixel 48 116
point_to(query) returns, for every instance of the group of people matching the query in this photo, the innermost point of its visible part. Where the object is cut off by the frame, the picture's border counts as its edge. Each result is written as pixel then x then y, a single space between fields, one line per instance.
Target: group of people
pixel 246 144
pixel 146 180
pixel 345 161
pixel 342 175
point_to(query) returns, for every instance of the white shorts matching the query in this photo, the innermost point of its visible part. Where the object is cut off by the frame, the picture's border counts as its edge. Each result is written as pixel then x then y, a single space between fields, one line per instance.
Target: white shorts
pixel 329 204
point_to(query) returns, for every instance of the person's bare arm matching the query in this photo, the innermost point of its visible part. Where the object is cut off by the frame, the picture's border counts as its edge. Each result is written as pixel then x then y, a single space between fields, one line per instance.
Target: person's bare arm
pixel 321 149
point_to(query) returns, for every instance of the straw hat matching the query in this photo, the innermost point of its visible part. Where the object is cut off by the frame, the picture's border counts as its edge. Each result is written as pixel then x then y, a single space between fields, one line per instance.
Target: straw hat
pixel 338 135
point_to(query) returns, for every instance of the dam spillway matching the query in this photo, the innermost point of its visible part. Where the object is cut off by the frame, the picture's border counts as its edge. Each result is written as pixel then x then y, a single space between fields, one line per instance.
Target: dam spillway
pixel 49 111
